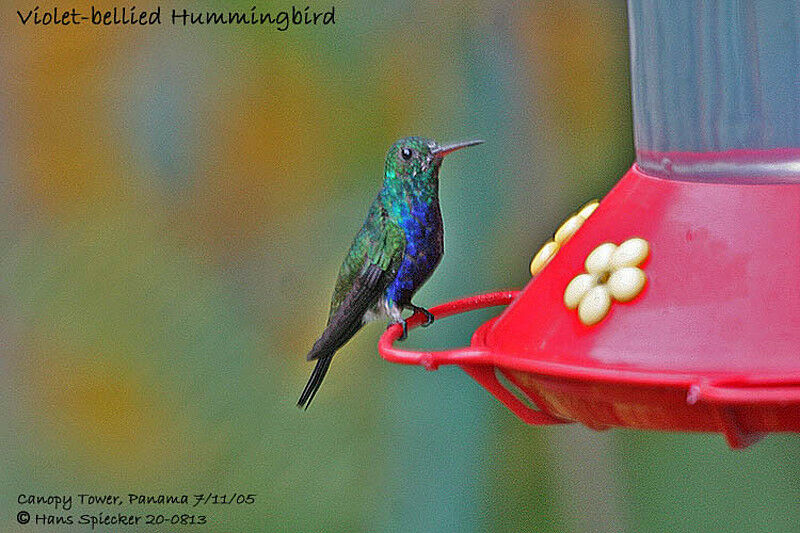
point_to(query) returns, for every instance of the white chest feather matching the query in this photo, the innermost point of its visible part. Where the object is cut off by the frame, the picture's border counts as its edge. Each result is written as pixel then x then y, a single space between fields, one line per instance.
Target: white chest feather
pixel 382 310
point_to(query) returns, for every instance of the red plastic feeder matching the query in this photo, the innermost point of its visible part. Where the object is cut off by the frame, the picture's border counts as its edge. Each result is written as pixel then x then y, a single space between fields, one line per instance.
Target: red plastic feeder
pixel 706 335
pixel 711 343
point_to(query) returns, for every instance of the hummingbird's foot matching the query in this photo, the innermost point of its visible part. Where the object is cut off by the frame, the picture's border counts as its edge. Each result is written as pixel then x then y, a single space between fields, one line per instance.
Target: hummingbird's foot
pixel 429 318
pixel 404 336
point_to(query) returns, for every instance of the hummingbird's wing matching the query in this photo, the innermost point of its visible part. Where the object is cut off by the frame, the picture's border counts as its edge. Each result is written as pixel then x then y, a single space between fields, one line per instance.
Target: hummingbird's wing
pixel 378 267
pixel 347 319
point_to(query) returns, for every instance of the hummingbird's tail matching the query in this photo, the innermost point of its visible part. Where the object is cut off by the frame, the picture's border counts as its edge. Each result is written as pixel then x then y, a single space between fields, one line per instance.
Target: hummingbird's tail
pixel 315 381
pixel 342 325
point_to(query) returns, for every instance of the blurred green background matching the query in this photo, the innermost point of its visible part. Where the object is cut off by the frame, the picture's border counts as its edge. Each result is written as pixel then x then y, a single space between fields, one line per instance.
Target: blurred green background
pixel 174 206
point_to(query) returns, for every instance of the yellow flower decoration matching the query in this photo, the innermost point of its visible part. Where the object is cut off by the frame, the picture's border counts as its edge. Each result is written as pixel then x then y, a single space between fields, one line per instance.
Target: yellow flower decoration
pixel 611 272
pixel 562 235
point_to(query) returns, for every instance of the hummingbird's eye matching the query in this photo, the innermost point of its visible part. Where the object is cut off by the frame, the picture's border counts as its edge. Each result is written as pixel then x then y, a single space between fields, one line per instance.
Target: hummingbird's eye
pixel 406 153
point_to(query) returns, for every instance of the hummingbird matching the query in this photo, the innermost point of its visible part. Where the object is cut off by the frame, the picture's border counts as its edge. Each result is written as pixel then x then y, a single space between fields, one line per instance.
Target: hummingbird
pixel 392 255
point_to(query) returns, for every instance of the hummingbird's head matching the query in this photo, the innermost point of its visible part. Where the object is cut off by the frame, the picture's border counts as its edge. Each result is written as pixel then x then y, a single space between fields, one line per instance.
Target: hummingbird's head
pixel 418 158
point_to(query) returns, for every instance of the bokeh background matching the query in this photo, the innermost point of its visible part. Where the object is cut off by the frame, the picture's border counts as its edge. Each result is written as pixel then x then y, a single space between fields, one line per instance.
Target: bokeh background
pixel 174 205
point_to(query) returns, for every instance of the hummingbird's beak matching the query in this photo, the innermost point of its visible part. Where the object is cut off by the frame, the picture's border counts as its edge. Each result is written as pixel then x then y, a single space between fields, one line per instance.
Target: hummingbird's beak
pixel 441 151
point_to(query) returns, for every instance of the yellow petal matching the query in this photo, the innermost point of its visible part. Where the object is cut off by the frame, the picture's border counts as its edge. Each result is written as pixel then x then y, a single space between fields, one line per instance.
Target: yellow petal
pixel 594 306
pixel 577 289
pixel 543 256
pixel 630 253
pixel 626 283
pixel 598 260
pixel 568 228
pixel 588 209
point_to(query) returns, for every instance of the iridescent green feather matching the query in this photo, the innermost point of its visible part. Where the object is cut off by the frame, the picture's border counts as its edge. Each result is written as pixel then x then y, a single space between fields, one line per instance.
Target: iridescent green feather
pixel 380 241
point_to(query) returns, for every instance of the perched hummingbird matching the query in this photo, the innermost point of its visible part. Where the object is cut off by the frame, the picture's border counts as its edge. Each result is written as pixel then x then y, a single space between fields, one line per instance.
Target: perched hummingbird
pixel 394 253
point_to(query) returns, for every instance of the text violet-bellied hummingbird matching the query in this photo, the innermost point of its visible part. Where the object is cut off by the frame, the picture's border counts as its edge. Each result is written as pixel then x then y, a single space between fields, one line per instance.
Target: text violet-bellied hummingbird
pixel 394 253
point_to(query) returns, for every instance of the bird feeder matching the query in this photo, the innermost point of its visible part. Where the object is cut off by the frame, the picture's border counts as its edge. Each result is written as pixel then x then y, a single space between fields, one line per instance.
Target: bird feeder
pixel 673 303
